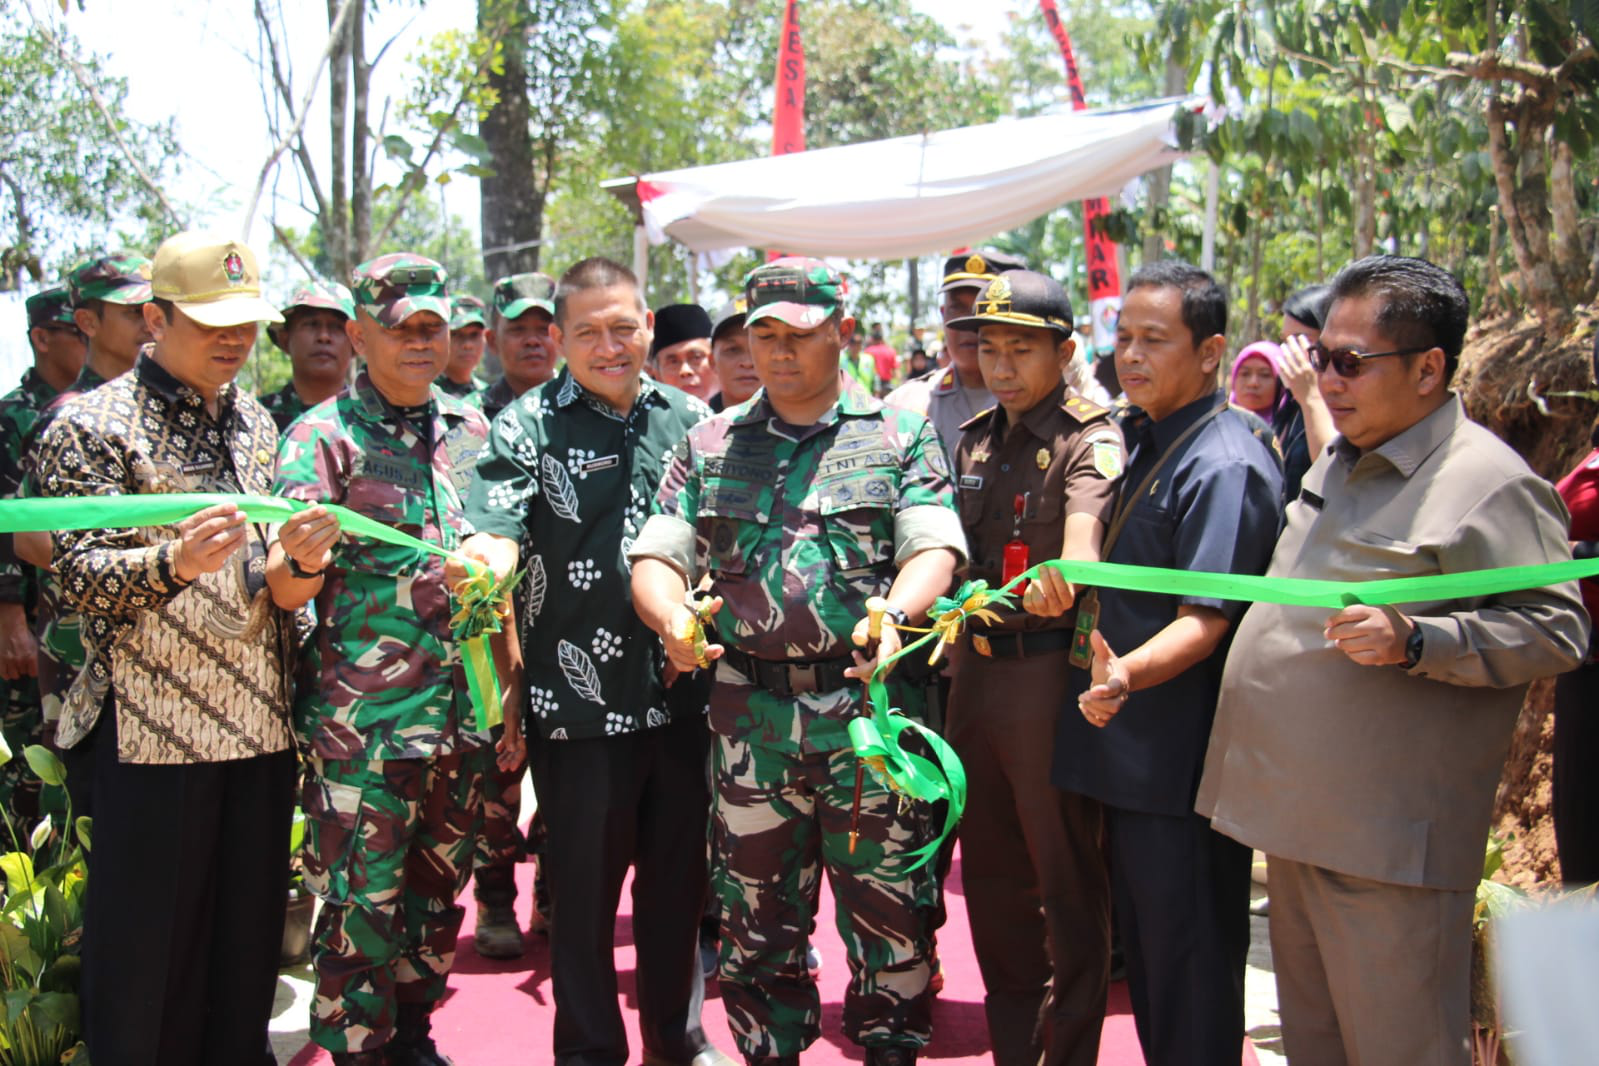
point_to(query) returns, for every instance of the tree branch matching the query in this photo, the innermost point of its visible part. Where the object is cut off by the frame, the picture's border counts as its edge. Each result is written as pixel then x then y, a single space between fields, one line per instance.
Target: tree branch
pixel 1492 66
pixel 336 31
pixel 288 246
pixel 280 80
pixel 87 85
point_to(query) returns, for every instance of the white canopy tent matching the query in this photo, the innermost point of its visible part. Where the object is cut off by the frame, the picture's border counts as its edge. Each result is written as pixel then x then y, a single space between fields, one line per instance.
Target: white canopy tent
pixel 907 196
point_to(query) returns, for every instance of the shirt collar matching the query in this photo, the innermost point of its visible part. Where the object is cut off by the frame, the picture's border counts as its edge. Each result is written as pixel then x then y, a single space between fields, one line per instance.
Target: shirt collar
pixel 374 407
pixel 853 401
pixel 1042 417
pixel 1163 431
pixel 160 380
pixel 1406 451
pixel 569 392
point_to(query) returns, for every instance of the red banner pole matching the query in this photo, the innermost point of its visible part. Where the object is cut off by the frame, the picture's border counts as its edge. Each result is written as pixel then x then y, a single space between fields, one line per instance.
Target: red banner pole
pixel 1104 275
pixel 788 111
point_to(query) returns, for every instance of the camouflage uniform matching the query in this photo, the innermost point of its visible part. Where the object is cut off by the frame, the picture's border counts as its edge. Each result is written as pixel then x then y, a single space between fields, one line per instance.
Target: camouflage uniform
pixel 20 717
pixel 465 310
pixel 392 790
pixel 797 528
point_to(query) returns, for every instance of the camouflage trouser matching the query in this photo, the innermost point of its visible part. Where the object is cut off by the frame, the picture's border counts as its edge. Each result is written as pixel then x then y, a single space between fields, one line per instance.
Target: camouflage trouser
pixel 500 845
pixel 388 847
pixel 779 818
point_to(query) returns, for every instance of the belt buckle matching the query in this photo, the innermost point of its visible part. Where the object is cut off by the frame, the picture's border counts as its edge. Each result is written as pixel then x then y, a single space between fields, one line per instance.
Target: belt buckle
pixel 981 645
pixel 801 678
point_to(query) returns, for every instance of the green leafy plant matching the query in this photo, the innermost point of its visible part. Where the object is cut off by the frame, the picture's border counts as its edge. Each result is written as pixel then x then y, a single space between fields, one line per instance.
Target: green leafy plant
pixel 41 926
pixel 1494 900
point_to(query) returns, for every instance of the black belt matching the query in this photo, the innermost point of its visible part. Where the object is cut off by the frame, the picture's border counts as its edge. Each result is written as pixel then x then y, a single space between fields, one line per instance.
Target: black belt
pixel 1020 645
pixel 789 678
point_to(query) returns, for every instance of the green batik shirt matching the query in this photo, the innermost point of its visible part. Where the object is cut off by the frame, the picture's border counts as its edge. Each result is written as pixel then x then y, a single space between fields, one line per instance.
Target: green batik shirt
pixel 381 677
pixel 19 410
pixel 797 526
pixel 570 479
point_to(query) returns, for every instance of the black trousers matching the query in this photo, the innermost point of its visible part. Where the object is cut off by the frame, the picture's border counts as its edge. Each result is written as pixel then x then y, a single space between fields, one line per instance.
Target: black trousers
pixel 639 800
pixel 1576 774
pixel 1181 895
pixel 183 924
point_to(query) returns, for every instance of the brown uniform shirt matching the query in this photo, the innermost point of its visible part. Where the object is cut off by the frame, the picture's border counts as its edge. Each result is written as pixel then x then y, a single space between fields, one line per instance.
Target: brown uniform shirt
pixel 1065 456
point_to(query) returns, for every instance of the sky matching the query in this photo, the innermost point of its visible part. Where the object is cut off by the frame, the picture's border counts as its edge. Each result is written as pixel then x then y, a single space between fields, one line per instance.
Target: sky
pixel 194 63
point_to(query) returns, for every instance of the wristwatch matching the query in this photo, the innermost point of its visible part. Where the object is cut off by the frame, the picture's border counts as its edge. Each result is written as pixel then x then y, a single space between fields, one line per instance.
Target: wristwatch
pixel 896 615
pixel 1413 647
pixel 299 571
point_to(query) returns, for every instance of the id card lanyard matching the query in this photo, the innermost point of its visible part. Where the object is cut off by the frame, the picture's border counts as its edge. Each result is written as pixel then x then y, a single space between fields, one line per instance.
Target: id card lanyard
pixel 1088 607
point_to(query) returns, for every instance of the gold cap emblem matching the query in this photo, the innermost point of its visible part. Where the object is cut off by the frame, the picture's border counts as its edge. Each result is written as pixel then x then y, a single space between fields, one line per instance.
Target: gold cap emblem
pixel 976 265
pixel 996 298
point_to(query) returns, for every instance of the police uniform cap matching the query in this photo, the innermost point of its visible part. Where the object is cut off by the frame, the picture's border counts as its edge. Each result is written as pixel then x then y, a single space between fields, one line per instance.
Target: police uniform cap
pixel 975 269
pixel 1020 298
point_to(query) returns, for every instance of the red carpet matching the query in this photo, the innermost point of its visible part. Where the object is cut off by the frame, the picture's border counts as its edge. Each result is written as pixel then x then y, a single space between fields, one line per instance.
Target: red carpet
pixel 501 1012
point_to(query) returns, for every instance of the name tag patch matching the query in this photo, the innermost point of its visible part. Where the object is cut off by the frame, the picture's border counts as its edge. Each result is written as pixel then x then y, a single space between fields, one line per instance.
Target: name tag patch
pixel 971 481
pixel 603 462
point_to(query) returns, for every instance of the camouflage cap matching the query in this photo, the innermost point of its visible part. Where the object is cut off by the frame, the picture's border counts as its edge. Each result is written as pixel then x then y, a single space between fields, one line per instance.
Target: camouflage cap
pixel 802 292
pixel 211 278
pixel 313 295
pixel 50 307
pixel 467 310
pixel 394 287
pixel 122 278
pixel 975 269
pixel 516 295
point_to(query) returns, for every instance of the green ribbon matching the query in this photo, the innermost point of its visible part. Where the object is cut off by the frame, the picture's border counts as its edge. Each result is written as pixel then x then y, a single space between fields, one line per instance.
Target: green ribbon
pixel 877 737
pixel 471 626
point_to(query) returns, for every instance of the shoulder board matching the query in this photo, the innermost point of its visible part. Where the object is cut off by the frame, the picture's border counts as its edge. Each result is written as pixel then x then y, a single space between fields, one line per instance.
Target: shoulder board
pixel 946 381
pixel 1083 409
pixel 979 418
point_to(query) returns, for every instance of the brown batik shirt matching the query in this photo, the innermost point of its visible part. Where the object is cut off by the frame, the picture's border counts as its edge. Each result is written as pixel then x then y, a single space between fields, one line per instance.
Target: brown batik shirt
pixel 198 671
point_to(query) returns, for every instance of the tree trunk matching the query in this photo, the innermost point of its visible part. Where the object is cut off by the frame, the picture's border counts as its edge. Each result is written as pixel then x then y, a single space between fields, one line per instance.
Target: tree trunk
pixel 1257 235
pixel 1160 181
pixel 512 211
pixel 360 134
pixel 915 286
pixel 1365 179
pixel 1571 261
pixel 335 225
pixel 1524 202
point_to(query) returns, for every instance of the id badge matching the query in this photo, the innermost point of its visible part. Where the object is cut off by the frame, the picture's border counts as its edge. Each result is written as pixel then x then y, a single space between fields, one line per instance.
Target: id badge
pixel 1015 564
pixel 1087 618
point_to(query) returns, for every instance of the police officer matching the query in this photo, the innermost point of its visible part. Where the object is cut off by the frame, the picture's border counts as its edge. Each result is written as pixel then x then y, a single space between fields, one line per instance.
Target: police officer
pixel 468 323
pixel 58 351
pixel 1202 491
pixel 800 505
pixel 394 768
pixel 1037 477
pixel 524 309
pixel 954 394
pixel 312 333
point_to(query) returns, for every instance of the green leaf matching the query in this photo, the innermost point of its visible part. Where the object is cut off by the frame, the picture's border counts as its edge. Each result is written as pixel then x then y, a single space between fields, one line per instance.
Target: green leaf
pixel 46 764
pixel 472 170
pixel 471 144
pixel 5 750
pixel 20 877
pixel 40 834
pixel 397 147
pixel 442 178
pixel 83 825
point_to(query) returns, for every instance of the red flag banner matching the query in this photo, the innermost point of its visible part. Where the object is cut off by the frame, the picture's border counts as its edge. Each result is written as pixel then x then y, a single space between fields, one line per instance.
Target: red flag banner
pixel 788 117
pixel 1104 275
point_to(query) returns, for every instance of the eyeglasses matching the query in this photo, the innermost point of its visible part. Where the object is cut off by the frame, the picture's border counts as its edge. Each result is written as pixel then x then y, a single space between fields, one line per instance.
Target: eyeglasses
pixel 1347 362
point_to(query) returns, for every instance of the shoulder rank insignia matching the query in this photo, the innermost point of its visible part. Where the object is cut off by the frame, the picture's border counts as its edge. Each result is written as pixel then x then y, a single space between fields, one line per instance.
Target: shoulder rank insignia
pixel 982 453
pixel 946 381
pixel 1082 408
pixel 979 417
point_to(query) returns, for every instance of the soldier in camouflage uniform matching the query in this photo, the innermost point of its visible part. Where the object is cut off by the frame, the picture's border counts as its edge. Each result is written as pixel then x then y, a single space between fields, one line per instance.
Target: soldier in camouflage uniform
pixel 524 309
pixel 58 350
pixel 312 333
pixel 394 763
pixel 562 490
pixel 108 294
pixel 468 321
pixel 800 504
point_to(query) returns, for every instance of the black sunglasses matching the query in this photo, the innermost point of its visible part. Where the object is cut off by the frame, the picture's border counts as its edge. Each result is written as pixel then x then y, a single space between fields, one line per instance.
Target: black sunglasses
pixel 1347 362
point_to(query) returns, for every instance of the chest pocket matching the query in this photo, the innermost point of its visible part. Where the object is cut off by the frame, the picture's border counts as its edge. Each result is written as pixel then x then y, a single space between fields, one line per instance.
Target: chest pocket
pixel 858 521
pixel 402 506
pixel 728 526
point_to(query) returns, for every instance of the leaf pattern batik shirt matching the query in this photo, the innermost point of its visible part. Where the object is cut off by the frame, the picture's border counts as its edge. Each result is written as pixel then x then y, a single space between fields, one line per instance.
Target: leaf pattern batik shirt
pixel 797 527
pixel 199 669
pixel 382 676
pixel 571 480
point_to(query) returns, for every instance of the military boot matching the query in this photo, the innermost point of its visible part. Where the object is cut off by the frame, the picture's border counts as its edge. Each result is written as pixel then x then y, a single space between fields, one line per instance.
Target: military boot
pixel 891 1056
pixel 375 1057
pixel 497 934
pixel 413 1043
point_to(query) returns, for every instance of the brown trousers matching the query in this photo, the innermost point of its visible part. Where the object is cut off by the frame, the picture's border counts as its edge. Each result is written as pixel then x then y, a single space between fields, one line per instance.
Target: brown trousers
pixel 1032 865
pixel 1368 973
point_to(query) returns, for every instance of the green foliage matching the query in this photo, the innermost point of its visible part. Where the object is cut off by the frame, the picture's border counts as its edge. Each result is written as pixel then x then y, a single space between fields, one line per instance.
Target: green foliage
pixel 41 925
pixel 65 187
